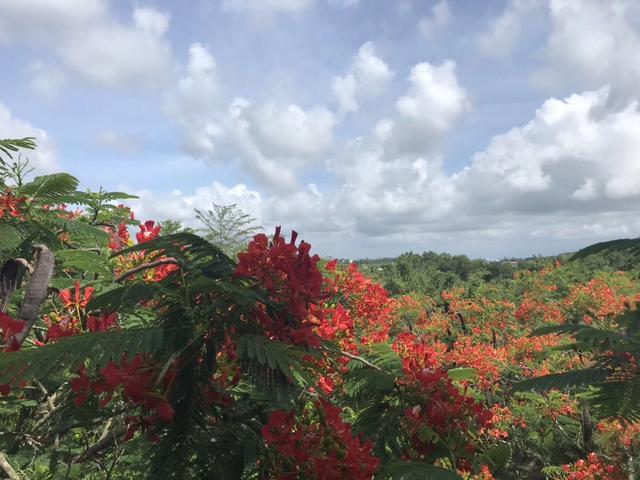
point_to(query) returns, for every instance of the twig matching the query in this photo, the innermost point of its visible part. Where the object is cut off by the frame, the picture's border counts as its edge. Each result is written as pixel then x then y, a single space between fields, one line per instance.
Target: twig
pixel 102 443
pixel 8 469
pixel 146 266
pixel 49 398
pixel 361 360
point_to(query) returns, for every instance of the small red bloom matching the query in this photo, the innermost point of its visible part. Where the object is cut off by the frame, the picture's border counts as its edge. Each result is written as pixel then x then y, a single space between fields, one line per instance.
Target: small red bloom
pixel 148 231
pixel 76 301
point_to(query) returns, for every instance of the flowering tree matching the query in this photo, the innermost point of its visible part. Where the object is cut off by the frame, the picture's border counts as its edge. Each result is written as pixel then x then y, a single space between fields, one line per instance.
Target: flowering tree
pixel 128 353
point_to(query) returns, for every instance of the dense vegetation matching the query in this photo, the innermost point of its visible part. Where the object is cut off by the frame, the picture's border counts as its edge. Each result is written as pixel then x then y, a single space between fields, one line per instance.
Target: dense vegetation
pixel 164 357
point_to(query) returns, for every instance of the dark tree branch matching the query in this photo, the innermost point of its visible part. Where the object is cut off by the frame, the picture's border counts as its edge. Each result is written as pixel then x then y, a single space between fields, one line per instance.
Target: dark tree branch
pixel 146 266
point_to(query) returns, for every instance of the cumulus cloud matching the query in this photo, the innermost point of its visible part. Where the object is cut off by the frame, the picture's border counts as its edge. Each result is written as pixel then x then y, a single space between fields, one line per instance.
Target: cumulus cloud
pixel 439 18
pixel 277 140
pixel 578 154
pixel 266 6
pixel 503 32
pixel 289 131
pixel 177 205
pixel 119 142
pixel 367 76
pixel 87 39
pixel 193 100
pixel 46 80
pixel 394 178
pixel 272 140
pixel 568 176
pixel 43 159
pixel 345 3
pixel 593 43
pixel 429 110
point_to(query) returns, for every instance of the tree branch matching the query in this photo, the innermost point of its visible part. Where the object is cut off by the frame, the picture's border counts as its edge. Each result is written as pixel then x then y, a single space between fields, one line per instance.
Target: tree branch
pixel 361 360
pixel 8 469
pixel 146 266
pixel 103 442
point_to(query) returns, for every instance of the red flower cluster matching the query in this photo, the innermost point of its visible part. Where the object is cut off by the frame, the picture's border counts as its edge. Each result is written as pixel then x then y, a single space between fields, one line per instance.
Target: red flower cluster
pixel 120 239
pixel 75 317
pixel 291 278
pixel 10 204
pixel 592 469
pixel 442 411
pixel 318 446
pixel 369 303
pixel 133 378
pixel 10 328
pixel 76 301
pixel 148 231
pixel 417 354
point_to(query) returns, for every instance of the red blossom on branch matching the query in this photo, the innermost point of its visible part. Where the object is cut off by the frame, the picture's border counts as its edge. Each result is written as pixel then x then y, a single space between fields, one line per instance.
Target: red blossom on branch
pixel 317 445
pixel 290 276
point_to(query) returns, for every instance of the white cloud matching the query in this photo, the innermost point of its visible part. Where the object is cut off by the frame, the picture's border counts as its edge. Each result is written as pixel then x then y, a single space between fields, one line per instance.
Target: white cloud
pixel 87 39
pixel 271 140
pixel 593 43
pixel 46 80
pixel 577 154
pixel 276 140
pixel 47 21
pixel 562 180
pixel 151 20
pixel 440 17
pixel 180 206
pixel 367 76
pixel 120 142
pixel 587 191
pixel 194 99
pixel 289 131
pixel 345 3
pixel 504 31
pixel 395 178
pixel 43 159
pixel 429 110
pixel 266 6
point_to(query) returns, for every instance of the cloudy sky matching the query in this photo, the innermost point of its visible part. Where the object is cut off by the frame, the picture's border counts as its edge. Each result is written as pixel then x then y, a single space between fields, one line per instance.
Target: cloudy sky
pixel 373 127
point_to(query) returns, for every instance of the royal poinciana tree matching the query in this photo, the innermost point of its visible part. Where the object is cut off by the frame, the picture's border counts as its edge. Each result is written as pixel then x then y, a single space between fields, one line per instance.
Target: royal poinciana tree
pixel 131 354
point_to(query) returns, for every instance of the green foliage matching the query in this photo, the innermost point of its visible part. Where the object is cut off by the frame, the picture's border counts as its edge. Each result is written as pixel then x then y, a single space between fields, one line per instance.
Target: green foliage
pixel 416 471
pixel 67 354
pixel 628 245
pixel 227 226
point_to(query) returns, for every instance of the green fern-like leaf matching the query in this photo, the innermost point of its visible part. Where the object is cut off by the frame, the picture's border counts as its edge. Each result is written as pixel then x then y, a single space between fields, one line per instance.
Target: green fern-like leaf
pixel 10 237
pixel 9 146
pixel 571 379
pixel 51 188
pixel 619 399
pixel 276 355
pixel 38 363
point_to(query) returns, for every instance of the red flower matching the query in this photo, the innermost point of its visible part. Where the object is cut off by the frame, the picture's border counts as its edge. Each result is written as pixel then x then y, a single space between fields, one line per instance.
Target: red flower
pixel 148 231
pixel 10 328
pixel 291 278
pixel 317 444
pixel 76 301
pixel 102 323
pixel 9 204
pixel 119 239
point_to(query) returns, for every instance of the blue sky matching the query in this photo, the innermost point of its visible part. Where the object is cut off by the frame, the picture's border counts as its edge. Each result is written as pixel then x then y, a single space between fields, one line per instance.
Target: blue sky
pixel 373 127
